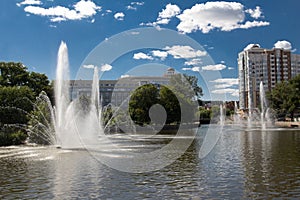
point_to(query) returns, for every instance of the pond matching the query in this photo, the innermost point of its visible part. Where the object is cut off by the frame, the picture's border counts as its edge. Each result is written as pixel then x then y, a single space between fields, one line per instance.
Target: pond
pixel 244 164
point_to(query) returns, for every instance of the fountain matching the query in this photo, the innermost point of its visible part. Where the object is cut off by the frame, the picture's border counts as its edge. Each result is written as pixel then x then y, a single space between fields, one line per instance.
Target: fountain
pixel 65 124
pixel 222 116
pixel 236 117
pixel 265 118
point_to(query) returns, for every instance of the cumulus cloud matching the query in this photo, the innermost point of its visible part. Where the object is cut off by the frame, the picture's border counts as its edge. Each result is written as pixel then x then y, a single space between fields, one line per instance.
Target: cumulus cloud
pixel 166 14
pixel 216 67
pixel 226 86
pixel 194 69
pixel 133 5
pixel 119 16
pixel 233 92
pixel 249 46
pixel 105 67
pixel 222 15
pixel 140 55
pixel 161 54
pixel 230 81
pixel 186 52
pixel 82 9
pixel 125 76
pixel 29 2
pixel 193 62
pixel 255 13
pixel 283 44
pixel 252 24
pixel 89 66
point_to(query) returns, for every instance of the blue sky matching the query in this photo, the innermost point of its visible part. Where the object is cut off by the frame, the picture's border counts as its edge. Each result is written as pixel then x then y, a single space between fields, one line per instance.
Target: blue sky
pixel 211 33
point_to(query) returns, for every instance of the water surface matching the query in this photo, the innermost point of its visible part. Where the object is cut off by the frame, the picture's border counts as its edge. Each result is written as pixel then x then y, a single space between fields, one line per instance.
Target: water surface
pixel 245 164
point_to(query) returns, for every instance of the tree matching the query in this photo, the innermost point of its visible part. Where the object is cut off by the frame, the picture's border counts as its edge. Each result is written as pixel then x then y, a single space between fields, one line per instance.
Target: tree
pixel 16 74
pixel 171 104
pixel 285 97
pixel 141 101
pixel 15 103
pixel 18 89
pixel 13 74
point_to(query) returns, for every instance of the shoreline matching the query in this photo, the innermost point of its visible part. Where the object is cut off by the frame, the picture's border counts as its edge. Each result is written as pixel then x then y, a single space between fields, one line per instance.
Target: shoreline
pixel 283 124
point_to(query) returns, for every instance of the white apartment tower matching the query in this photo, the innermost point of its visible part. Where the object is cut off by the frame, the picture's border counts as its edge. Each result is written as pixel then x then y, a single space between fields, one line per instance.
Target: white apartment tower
pixel 270 66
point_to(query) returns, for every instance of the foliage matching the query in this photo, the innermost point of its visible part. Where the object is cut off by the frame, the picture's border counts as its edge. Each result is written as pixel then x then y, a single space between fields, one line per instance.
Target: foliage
pixel 203 115
pixel 18 89
pixel 180 95
pixel 11 136
pixel 15 103
pixel 40 124
pixel 285 97
pixel 171 104
pixel 141 101
pixel 16 74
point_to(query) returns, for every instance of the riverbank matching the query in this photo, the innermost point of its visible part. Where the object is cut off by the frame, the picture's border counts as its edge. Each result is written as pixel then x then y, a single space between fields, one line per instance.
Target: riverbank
pixel 283 124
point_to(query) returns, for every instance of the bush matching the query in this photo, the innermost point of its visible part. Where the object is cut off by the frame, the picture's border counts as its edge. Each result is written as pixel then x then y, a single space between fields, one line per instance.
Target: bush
pixel 12 138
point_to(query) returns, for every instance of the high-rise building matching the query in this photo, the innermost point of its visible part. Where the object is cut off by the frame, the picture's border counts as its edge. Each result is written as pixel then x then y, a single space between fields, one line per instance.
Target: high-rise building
pixel 269 66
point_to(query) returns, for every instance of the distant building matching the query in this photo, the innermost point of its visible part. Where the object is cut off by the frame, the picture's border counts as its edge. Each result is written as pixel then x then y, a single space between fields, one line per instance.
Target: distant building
pixel 117 91
pixel 270 66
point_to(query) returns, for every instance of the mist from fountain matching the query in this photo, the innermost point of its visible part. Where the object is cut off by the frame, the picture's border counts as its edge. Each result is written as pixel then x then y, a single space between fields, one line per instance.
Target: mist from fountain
pixel 222 116
pixel 236 117
pixel 265 118
pixel 70 124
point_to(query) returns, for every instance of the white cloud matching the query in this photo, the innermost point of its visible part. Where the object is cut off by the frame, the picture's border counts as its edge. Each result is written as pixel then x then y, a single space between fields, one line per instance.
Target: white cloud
pixel 216 67
pixel 137 3
pixel 29 2
pixel 166 14
pixel 249 46
pixel 230 68
pixel 119 16
pixel 231 81
pixel 233 92
pixel 252 24
pixel 125 76
pixel 178 51
pixel 255 13
pixel 161 54
pixel 283 44
pixel 133 5
pixel 140 55
pixel 134 33
pixel 222 15
pixel 89 66
pixel 194 69
pixel 105 67
pixel 130 7
pixel 224 85
pixel 82 9
pixel 193 62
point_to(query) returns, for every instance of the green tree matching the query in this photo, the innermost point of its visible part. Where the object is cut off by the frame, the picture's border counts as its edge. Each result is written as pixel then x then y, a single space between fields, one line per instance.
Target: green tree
pixel 15 104
pixel 285 97
pixel 141 101
pixel 13 74
pixel 18 89
pixel 171 104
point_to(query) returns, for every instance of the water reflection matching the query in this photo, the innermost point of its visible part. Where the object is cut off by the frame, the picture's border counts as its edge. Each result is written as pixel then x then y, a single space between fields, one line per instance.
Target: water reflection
pixel 245 164
pixel 271 163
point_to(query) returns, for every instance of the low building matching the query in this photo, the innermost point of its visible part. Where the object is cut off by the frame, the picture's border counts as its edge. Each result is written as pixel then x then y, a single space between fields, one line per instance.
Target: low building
pixel 117 91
